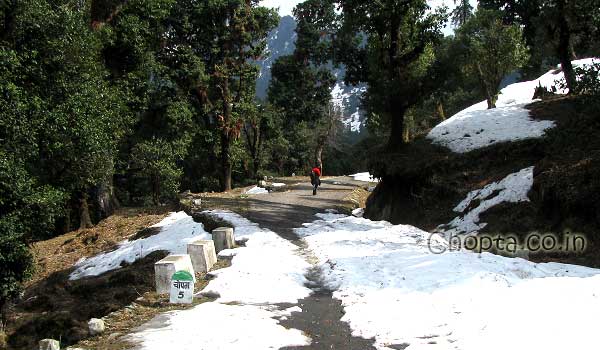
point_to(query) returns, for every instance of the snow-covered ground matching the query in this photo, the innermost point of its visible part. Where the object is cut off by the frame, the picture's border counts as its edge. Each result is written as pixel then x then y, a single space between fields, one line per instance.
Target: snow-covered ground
pixel 257 190
pixel 395 289
pixel 366 177
pixel 176 231
pixel 253 274
pixel 216 326
pixel 477 127
pixel 244 314
pixel 512 189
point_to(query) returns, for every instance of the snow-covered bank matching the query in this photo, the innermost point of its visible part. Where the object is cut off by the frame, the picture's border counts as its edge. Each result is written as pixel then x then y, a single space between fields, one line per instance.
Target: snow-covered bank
pixel 395 289
pixel 477 127
pixel 267 271
pixel 176 231
pixel 512 189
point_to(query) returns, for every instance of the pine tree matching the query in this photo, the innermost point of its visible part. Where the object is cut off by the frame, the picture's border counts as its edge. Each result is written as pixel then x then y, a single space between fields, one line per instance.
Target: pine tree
pixel 388 46
pixel 462 12
pixel 564 26
pixel 494 50
pixel 226 36
pixel 302 82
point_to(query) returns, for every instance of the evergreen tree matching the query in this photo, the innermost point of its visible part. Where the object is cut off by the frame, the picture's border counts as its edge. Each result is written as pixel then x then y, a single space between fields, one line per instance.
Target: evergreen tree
pixel 462 12
pixel 388 46
pixel 494 50
pixel 60 123
pixel 75 117
pixel 225 36
pixel 554 29
pixel 564 24
pixel 301 83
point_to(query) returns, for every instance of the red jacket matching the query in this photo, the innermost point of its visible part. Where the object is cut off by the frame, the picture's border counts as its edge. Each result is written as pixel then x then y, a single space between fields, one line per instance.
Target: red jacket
pixel 317 171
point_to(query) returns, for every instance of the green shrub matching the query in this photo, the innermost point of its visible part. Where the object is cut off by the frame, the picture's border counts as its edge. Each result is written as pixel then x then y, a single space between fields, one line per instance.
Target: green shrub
pixel 588 79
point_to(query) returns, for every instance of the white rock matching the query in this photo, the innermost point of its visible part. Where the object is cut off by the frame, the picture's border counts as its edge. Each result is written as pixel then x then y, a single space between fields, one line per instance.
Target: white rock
pixel 96 326
pixel 49 344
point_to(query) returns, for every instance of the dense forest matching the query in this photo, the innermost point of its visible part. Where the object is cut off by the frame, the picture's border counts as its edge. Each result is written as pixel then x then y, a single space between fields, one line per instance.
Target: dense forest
pixel 130 102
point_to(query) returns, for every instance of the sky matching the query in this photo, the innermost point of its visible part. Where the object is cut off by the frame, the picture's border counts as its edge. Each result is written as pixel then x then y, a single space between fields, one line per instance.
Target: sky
pixel 285 6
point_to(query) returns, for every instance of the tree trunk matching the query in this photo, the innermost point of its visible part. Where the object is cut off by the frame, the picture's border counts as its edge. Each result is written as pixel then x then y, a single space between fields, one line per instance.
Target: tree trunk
pixel 84 213
pixel 156 189
pixel 406 130
pixel 397 125
pixel 226 134
pixel 490 94
pixel 255 167
pixel 564 50
pixel 253 139
pixel 319 155
pixel 226 168
pixel 105 199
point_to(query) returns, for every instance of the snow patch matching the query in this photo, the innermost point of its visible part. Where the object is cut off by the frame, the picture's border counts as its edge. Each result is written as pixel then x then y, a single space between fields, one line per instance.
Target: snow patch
pixel 512 189
pixel 176 231
pixel 478 127
pixel 365 177
pixel 257 190
pixel 358 212
pixel 474 129
pixel 214 326
pixel 393 288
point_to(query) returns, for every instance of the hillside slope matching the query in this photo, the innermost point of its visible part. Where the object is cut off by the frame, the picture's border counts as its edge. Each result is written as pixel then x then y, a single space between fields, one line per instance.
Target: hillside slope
pixel 454 180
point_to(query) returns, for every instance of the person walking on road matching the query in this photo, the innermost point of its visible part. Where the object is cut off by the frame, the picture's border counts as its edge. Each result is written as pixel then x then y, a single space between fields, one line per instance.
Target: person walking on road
pixel 315 178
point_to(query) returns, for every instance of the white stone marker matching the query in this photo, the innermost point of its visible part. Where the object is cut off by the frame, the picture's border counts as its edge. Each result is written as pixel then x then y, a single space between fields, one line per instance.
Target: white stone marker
pixel 167 267
pixel 223 238
pixel 203 255
pixel 182 288
pixel 96 326
pixel 49 344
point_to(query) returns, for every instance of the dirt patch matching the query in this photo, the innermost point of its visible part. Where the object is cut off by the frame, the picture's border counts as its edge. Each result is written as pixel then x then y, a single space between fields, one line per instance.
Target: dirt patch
pixel 210 222
pixel 58 308
pixel 145 233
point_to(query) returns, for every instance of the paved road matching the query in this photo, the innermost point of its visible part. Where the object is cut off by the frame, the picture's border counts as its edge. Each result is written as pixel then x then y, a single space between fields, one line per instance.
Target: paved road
pixel 282 212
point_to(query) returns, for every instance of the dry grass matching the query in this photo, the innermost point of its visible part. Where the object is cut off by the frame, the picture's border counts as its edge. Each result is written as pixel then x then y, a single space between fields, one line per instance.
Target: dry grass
pixel 63 252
